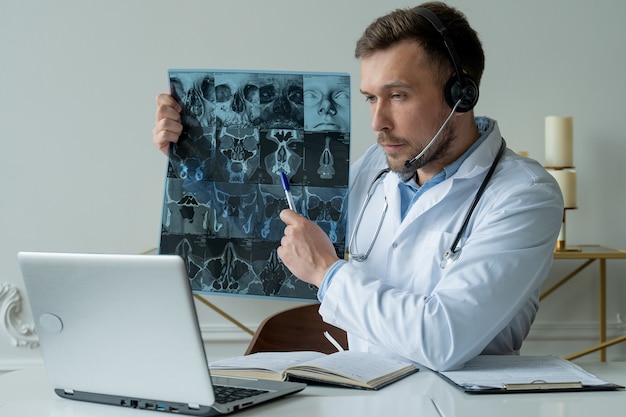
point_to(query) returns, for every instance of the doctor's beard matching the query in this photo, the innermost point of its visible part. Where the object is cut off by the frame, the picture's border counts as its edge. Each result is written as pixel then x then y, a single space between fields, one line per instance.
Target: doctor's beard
pixel 437 151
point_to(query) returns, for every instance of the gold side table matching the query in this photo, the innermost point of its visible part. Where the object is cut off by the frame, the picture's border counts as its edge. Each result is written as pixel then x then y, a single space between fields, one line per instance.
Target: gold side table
pixel 590 254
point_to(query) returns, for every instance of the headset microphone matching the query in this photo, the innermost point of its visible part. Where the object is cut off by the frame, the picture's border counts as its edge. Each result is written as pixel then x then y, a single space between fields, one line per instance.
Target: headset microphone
pixel 411 161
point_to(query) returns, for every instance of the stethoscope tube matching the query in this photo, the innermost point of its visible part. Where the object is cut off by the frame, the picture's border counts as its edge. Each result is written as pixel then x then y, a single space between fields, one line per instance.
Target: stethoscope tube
pixel 360 257
pixel 453 252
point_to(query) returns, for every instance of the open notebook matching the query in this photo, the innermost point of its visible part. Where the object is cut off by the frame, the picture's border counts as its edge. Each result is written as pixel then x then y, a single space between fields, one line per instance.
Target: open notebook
pixel 122 330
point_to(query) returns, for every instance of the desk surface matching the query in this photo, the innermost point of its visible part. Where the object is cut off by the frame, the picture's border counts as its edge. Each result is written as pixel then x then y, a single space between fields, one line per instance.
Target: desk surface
pixel 27 393
pixel 591 252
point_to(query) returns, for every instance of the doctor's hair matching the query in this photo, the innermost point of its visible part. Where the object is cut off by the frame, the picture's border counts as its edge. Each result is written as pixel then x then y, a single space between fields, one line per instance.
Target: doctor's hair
pixel 404 24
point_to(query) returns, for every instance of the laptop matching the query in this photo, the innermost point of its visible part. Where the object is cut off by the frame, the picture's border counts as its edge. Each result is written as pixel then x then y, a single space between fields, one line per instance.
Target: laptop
pixel 122 330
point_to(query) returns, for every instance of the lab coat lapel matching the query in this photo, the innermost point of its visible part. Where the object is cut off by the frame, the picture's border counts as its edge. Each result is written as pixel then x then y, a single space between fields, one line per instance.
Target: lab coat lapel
pixel 426 202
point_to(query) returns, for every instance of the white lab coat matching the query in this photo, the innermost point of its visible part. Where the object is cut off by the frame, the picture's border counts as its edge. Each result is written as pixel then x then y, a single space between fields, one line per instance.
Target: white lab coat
pixel 401 303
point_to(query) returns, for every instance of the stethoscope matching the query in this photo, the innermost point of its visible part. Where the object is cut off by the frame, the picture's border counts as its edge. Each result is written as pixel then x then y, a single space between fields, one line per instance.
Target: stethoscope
pixel 454 251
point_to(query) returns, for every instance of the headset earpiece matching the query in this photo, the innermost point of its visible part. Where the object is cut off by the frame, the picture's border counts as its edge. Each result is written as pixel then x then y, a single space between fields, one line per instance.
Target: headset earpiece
pixel 466 93
pixel 460 86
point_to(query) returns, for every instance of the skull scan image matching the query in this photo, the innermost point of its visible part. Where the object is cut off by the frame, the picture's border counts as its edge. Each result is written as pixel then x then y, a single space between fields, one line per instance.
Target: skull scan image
pixel 236 210
pixel 237 99
pixel 191 170
pixel 193 217
pixel 326 162
pixel 238 154
pixel 195 141
pixel 196 94
pixel 182 212
pixel 327 103
pixel 273 275
pixel 325 207
pixel 284 158
pixel 281 101
pixel 194 263
pixel 229 272
pixel 241 130
pixel 326 170
pixel 273 202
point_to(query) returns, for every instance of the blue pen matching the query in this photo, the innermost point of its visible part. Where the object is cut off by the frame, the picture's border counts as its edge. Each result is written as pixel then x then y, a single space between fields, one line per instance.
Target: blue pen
pixel 290 202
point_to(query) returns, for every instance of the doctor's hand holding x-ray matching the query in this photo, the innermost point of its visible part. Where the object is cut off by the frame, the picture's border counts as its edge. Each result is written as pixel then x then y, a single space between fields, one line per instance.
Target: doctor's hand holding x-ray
pixel 450 233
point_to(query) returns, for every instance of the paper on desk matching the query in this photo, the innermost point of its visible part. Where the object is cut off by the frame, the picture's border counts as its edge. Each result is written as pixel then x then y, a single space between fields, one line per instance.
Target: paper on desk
pixel 495 371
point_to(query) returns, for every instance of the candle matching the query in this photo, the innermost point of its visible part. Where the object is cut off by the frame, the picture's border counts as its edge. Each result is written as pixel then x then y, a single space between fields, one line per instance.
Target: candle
pixel 567 182
pixel 559 141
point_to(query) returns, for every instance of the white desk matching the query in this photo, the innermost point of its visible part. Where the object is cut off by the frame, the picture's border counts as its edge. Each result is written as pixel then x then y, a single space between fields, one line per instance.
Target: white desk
pixel 27 393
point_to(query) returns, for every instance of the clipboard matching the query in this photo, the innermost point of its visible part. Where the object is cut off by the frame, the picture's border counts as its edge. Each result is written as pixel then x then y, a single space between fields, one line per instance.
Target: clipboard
pixel 545 387
pixel 507 374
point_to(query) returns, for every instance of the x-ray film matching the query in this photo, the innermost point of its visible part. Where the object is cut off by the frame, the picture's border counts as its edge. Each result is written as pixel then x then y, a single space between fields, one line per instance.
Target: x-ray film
pixel 223 190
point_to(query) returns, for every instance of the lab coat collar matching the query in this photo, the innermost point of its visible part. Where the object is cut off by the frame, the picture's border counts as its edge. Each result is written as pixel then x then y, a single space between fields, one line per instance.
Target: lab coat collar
pixel 481 159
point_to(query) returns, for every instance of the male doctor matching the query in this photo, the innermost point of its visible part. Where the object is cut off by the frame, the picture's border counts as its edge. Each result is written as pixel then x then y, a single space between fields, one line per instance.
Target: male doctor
pixel 451 234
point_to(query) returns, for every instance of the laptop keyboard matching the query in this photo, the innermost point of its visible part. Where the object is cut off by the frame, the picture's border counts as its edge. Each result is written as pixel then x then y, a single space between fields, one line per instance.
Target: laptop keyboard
pixel 225 394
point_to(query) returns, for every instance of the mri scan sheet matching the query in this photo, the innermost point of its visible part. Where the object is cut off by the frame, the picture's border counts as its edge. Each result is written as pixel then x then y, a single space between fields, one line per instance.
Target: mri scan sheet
pixel 223 190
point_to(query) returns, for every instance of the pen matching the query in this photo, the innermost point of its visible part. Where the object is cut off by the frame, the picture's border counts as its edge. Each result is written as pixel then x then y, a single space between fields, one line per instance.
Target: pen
pixel 333 341
pixel 290 202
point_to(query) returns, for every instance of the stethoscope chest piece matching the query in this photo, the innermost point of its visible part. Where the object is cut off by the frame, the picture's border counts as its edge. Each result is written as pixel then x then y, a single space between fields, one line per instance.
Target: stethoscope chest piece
pixel 448 257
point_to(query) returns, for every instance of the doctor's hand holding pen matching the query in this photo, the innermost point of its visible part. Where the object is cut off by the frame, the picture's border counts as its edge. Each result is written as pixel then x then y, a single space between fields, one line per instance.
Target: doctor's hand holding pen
pixel 305 248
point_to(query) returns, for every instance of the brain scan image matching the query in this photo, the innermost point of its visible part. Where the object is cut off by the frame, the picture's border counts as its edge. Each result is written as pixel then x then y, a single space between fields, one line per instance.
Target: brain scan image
pixel 223 191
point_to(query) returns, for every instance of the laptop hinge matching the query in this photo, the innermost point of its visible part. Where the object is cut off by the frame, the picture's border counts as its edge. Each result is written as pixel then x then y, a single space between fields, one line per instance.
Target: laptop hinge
pixel 194 406
pixel 68 391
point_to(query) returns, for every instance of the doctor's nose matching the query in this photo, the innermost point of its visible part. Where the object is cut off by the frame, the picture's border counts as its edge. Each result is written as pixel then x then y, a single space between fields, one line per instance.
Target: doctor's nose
pixel 380 118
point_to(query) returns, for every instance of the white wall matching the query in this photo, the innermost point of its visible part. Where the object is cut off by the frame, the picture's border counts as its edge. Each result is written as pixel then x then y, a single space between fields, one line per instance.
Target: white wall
pixel 77 84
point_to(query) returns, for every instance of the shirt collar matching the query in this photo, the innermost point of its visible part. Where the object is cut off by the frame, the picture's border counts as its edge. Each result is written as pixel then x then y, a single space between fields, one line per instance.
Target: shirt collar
pixel 485 127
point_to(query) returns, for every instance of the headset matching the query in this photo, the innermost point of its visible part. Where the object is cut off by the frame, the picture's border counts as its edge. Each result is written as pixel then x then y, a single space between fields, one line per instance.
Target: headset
pixel 461 91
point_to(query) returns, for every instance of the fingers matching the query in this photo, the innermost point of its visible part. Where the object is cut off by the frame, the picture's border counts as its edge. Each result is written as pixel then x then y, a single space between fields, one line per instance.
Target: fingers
pixel 167 100
pixel 288 216
pixel 165 132
pixel 168 126
pixel 305 248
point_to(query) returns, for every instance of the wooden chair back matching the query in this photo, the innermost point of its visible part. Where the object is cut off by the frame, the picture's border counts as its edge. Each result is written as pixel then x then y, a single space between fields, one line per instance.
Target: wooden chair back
pixel 299 328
